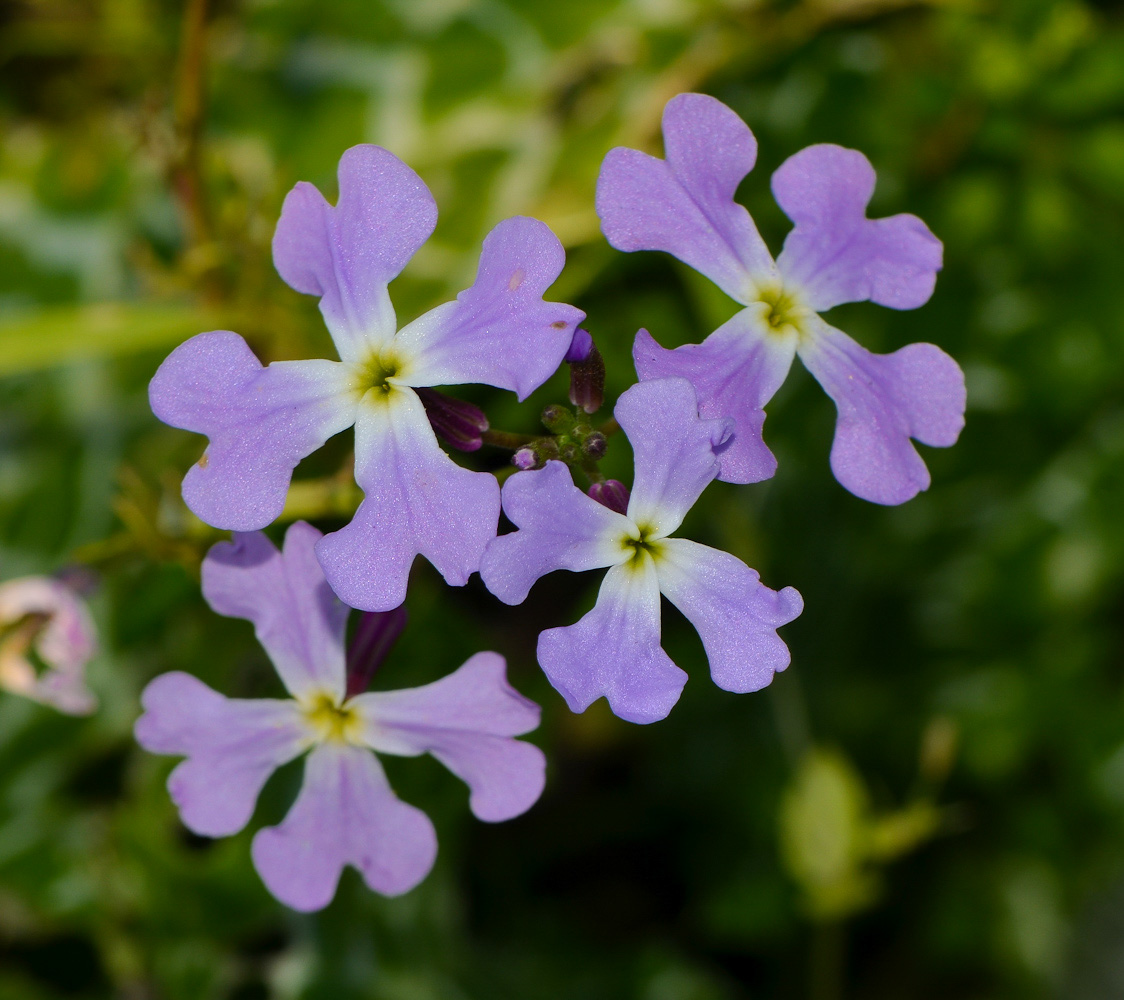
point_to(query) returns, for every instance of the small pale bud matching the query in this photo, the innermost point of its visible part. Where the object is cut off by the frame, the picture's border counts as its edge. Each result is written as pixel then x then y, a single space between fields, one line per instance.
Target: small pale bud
pixel 525 458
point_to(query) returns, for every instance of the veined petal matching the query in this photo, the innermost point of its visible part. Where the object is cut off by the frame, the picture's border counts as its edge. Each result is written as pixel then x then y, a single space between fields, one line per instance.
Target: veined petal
pixel 418 500
pixel 467 721
pixel 884 400
pixel 835 253
pixel 345 814
pixel 499 332
pixel 735 614
pixel 261 422
pixel 735 372
pixel 673 451
pixel 232 747
pixel 559 528
pixel 685 204
pixel 614 651
pixel 347 255
pixel 296 617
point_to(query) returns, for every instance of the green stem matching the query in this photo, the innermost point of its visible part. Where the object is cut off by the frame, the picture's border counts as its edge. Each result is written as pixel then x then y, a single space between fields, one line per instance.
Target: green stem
pixel 506 439
pixel 609 427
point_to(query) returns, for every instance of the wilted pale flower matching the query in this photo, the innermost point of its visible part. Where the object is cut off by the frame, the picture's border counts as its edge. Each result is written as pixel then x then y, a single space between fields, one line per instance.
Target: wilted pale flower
pixel 46 639
pixel 346 812
pixel 834 254
pixel 262 421
pixel 614 651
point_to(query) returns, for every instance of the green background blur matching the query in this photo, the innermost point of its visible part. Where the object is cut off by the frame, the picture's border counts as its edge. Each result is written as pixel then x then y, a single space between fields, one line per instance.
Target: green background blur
pixel 928 804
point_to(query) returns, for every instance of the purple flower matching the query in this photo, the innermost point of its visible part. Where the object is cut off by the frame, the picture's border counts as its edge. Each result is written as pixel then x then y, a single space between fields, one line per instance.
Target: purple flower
pixel 42 618
pixel 834 254
pixel 346 812
pixel 614 651
pixel 262 421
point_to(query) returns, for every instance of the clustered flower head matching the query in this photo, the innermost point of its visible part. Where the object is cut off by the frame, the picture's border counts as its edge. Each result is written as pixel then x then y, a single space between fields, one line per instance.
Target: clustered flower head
pixel 695 415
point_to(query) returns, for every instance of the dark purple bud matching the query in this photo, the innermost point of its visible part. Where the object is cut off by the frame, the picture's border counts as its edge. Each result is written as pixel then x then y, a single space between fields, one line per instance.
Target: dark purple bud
pixel 557 419
pixel 525 458
pixel 456 422
pixel 612 494
pixel 587 381
pixel 595 445
pixel 376 634
pixel 580 347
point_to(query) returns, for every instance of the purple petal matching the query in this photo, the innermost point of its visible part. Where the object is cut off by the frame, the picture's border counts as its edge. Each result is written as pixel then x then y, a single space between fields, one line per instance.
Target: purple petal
pixel 580 346
pixel 614 651
pixel 417 501
pixel 232 746
pixel 499 332
pixel 673 451
pixel 835 253
pixel 735 614
pixel 735 372
pixel 261 422
pixel 685 204
pixel 559 528
pixel 296 617
pixel 466 720
pixel 884 400
pixel 345 814
pixel 347 255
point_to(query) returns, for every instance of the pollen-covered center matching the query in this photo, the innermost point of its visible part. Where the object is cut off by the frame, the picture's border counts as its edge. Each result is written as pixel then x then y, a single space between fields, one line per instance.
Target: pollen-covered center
pixel 781 310
pixel 332 721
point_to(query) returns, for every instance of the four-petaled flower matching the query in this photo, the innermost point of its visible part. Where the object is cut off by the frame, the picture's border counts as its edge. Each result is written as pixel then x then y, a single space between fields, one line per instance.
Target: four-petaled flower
pixel 834 254
pixel 614 651
pixel 262 421
pixel 346 812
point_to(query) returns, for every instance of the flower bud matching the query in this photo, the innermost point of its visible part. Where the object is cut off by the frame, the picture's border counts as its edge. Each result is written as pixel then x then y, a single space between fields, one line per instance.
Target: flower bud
pixel 557 419
pixel 525 458
pixel 587 381
pixel 595 445
pixel 612 494
pixel 376 634
pixel 580 346
pixel 456 422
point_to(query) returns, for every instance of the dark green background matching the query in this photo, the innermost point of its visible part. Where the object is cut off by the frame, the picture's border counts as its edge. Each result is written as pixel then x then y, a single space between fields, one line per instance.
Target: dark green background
pixel 929 804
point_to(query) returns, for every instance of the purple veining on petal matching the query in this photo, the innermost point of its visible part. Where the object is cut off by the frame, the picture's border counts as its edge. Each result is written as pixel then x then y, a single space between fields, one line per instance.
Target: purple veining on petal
pixel 374 637
pixel 499 332
pixel 735 372
pixel 685 204
pixel 417 500
pixel 347 255
pixel 612 494
pixel 884 400
pixel 261 422
pixel 457 423
pixel 835 253
pixel 735 614
pixel 614 651
pixel 232 747
pixel 296 617
pixel 345 814
pixel 44 616
pixel 673 451
pixel 466 720
pixel 559 528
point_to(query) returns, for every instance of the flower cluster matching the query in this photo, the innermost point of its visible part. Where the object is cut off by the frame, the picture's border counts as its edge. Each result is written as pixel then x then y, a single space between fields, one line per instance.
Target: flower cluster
pixel 695 415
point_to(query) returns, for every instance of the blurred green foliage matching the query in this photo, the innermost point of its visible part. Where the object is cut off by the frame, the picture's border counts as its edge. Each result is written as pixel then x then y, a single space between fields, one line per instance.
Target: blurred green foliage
pixel 961 655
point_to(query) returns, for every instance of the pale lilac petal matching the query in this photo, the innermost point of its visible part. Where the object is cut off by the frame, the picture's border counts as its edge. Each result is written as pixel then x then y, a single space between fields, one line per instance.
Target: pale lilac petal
pixel 735 614
pixel 685 204
pixel 232 747
pixel 884 400
pixel 345 814
pixel 466 720
pixel 418 500
pixel 614 651
pixel 500 331
pixel 735 372
pixel 296 617
pixel 835 253
pixel 347 255
pixel 261 422
pixel 673 451
pixel 42 615
pixel 559 528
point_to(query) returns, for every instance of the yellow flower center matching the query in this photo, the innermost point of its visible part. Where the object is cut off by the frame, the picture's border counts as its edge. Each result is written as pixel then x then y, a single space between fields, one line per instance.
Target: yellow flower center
pixel 332 721
pixel 638 547
pixel 782 311
pixel 375 376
